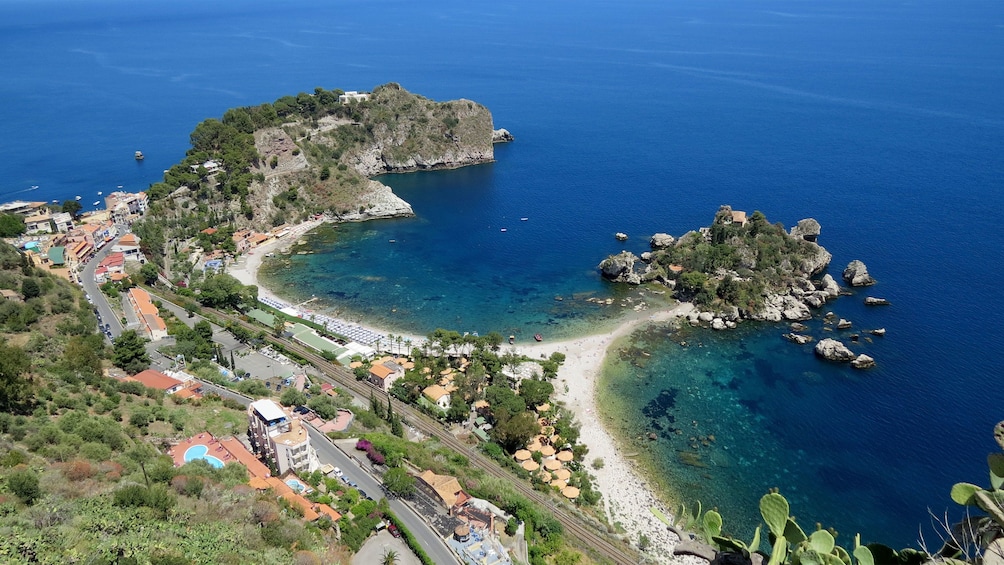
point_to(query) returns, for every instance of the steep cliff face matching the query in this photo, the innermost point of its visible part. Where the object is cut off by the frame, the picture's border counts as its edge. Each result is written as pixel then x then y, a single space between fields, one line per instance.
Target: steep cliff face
pixel 408 133
pixel 326 162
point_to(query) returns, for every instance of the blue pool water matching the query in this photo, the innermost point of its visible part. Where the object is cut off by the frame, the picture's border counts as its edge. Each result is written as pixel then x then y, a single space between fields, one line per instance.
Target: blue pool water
pixel 297 486
pixel 201 452
pixel 881 120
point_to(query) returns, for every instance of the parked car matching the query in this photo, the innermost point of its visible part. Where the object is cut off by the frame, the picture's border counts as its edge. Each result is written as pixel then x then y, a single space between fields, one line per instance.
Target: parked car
pixel 301 409
pixel 394 531
pixel 363 494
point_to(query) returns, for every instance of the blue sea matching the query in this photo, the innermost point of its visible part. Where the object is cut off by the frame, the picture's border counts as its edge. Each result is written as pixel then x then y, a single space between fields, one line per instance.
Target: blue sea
pixel 882 120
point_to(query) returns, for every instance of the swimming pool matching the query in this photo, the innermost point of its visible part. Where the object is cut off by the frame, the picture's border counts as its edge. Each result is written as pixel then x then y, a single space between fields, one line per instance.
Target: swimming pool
pixel 200 452
pixel 297 486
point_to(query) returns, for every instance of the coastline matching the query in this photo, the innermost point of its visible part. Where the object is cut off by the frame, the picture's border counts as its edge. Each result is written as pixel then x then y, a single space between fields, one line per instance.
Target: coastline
pixel 628 496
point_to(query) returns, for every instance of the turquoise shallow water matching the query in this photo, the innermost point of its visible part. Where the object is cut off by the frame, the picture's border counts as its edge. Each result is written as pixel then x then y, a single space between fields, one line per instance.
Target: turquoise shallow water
pixel 880 120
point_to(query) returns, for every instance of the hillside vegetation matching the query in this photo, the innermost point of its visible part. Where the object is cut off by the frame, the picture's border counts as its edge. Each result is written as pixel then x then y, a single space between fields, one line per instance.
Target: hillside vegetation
pixel 304 155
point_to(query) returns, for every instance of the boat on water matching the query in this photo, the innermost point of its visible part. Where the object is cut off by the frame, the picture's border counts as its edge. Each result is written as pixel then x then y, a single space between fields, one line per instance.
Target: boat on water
pixel 33 187
pixel 77 197
pixel 503 229
pixel 54 201
pixel 523 219
pixel 139 155
pixel 512 339
pixel 538 337
pixel 96 203
pixel 100 193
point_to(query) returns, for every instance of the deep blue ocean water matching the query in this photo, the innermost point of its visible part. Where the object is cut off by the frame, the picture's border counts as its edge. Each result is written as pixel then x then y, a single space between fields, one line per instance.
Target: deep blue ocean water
pixel 881 120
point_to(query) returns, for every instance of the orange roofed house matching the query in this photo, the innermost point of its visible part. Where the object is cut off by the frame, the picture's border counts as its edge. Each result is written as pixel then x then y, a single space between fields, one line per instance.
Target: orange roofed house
pixel 384 374
pixel 149 318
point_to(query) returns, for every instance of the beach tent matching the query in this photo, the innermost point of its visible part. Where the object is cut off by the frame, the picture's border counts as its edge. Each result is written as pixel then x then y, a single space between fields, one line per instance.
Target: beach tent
pixel 565 456
pixel 563 474
pixel 570 492
pixel 552 464
pixel 530 465
pixel 522 455
pixel 547 451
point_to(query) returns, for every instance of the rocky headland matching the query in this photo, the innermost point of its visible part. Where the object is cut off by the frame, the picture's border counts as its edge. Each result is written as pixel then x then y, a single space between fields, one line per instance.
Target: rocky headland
pixel 737 268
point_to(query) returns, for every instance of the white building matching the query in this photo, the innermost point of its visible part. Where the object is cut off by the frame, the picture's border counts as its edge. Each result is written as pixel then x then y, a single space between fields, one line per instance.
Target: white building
pixel 63 221
pixel 279 438
pixel 353 96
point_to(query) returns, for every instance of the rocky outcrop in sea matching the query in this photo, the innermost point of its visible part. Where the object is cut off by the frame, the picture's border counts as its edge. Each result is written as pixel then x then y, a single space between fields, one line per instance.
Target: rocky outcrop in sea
pixel 856 274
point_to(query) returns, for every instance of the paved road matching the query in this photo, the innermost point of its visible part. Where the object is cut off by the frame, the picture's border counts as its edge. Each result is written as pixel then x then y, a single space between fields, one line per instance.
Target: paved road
pixel 108 315
pixel 327 452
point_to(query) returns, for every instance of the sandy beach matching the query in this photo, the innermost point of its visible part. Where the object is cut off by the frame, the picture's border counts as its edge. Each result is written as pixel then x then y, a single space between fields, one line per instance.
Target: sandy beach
pixel 627 496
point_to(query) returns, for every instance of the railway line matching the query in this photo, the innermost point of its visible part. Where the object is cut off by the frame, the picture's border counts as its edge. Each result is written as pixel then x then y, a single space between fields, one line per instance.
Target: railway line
pixel 614 551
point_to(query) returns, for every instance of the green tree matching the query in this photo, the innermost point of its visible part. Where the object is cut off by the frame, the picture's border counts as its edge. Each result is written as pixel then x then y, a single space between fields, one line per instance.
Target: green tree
pixel 513 431
pixel 72 207
pixel 224 291
pixel 83 354
pixel 12 225
pixel 149 272
pixel 458 409
pixel 535 392
pixel 15 388
pixel 24 483
pixel 129 352
pixel 325 172
pixel 30 288
pixel 292 397
pixel 399 482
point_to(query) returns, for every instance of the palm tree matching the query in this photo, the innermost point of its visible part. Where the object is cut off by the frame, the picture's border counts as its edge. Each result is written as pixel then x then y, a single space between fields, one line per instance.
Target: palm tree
pixel 389 557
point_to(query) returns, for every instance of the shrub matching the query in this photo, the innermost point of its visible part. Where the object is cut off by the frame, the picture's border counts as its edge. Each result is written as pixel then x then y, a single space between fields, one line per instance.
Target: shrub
pixel 23 482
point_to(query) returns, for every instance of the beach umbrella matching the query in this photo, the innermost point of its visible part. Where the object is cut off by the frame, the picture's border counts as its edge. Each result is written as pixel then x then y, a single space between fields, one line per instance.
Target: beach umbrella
pixel 530 465
pixel 543 407
pixel 534 446
pixel 544 476
pixel 552 464
pixel 563 474
pixel 570 492
pixel 565 456
pixel 522 455
pixel 547 451
pixel 559 483
pixel 446 371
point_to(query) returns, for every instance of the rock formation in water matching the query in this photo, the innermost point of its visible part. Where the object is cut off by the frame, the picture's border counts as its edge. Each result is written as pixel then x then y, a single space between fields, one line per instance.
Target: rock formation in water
pixel 856 274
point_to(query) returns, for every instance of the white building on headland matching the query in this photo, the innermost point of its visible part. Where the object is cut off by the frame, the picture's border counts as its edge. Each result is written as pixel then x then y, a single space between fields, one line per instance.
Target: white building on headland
pixel 280 438
pixel 353 96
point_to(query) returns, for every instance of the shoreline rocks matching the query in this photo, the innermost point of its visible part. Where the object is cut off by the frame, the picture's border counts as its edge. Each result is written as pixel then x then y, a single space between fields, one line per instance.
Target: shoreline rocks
pixel 872 301
pixel 502 135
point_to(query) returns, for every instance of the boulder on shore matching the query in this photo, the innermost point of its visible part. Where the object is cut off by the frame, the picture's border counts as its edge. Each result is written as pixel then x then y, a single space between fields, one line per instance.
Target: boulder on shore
pixel 501 135
pixel 843 324
pixel 863 362
pixel 872 301
pixel 807 229
pixel 620 268
pixel 856 274
pixel 661 241
pixel 832 350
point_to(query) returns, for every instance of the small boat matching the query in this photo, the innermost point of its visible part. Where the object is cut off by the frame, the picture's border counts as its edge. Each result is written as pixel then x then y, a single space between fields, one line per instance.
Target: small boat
pixel 391 241
pixel 99 193
pixel 503 229
pixel 96 203
pixel 54 201
pixel 538 337
pixel 523 219
pixel 33 187
pixel 512 339
pixel 78 197
pixel 139 155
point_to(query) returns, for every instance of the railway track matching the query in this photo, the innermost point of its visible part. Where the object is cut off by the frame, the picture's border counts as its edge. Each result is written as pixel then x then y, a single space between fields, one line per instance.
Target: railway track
pixel 614 551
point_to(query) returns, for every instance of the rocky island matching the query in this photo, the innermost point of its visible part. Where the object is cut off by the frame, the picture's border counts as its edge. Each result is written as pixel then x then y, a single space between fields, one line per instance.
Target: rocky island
pixel 737 268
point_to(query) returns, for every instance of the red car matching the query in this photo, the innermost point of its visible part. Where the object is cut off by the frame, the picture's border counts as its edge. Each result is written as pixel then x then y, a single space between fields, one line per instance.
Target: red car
pixel 394 531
